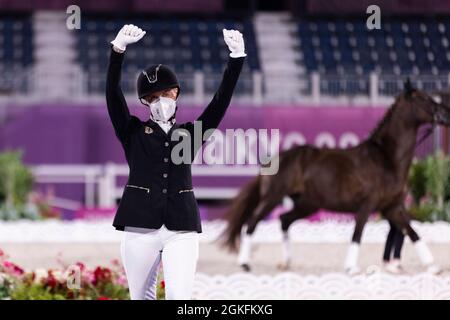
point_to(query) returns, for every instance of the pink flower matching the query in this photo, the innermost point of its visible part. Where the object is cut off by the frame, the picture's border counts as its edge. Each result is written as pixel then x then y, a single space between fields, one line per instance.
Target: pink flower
pixel 81 266
pixel 88 276
pixel 409 200
pixel 122 280
pixel 115 262
pixel 12 268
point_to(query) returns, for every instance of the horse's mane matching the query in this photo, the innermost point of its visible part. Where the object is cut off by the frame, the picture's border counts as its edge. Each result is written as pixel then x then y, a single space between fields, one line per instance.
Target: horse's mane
pixel 382 123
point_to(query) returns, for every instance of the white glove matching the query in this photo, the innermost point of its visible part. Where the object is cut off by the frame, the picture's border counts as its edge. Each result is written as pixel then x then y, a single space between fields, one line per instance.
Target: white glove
pixel 128 34
pixel 235 43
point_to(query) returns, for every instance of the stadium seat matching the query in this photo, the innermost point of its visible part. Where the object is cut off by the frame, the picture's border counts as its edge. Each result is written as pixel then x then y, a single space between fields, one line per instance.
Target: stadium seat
pixel 402 47
pixel 16 49
pixel 184 44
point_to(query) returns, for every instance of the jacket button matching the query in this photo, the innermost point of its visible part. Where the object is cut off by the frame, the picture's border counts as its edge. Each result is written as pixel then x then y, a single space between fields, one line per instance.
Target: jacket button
pixel 164 190
pixel 166 159
pixel 165 175
pixel 166 144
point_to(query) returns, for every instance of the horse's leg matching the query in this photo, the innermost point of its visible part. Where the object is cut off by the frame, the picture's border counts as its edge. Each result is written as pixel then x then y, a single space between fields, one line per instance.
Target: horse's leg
pixel 398 244
pixel 401 220
pixel 261 211
pixel 245 251
pixel 286 220
pixel 389 242
pixel 351 260
pixel 298 212
pixel 394 242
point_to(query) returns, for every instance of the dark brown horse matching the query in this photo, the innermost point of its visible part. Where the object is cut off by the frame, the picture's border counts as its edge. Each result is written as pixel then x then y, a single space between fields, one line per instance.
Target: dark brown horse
pixel 370 177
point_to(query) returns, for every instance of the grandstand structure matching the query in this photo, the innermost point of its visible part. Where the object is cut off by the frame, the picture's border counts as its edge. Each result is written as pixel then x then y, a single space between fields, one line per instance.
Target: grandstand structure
pixel 16 52
pixel 290 59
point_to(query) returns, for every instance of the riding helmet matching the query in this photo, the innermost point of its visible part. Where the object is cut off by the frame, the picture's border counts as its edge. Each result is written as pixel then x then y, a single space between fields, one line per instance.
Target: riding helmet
pixel 156 78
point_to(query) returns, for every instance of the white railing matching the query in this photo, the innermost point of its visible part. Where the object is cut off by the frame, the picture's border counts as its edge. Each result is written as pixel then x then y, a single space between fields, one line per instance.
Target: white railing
pixel 374 87
pixel 100 181
pixel 88 175
pixel 198 87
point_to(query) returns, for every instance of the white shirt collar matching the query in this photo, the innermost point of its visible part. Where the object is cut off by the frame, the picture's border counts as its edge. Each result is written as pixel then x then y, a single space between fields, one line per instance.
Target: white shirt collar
pixel 165 125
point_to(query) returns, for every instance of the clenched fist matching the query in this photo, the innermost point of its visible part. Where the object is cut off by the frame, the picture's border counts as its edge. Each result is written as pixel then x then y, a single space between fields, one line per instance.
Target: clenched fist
pixel 128 34
pixel 235 43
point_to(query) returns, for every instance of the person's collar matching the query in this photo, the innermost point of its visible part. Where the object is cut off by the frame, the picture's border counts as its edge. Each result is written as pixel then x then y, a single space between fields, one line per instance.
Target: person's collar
pixel 169 122
pixel 157 126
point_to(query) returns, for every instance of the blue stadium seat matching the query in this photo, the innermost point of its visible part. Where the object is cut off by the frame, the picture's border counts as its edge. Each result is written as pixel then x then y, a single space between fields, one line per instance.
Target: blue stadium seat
pixel 403 46
pixel 16 49
pixel 184 44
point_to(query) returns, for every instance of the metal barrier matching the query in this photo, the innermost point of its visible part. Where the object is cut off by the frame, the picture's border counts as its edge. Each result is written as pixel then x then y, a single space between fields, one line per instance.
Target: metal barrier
pixel 198 86
pixel 373 86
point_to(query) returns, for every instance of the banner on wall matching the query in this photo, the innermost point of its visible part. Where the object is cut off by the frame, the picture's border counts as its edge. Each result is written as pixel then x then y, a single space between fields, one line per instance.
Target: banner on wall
pixel 84 134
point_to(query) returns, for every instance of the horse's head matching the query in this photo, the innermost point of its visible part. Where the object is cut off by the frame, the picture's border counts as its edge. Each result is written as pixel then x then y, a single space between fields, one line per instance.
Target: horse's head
pixel 425 108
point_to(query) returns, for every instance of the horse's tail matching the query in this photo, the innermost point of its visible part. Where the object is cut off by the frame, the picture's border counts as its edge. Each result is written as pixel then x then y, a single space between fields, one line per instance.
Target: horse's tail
pixel 240 211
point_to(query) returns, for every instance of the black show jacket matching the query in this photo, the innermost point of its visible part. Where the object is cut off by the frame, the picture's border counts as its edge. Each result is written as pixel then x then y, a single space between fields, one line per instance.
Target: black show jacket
pixel 159 191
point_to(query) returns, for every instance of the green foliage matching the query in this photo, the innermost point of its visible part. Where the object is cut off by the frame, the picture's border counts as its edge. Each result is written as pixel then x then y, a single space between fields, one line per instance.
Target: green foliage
pixel 437 173
pixel 114 290
pixel 6 286
pixel 423 212
pixel 16 183
pixel 52 287
pixel 160 287
pixel 417 181
pixel 74 282
pixel 34 291
pixel 429 182
pixel 16 180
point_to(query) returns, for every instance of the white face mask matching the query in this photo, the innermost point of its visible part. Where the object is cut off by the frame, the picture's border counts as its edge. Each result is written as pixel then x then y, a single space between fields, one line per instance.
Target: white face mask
pixel 163 108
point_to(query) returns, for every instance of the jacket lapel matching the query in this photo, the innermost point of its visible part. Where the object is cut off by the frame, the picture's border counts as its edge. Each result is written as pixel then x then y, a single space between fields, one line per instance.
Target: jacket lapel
pixel 157 129
pixel 174 127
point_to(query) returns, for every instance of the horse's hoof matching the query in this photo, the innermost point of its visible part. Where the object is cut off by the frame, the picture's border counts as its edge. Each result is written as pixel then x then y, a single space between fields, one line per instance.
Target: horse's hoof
pixel 245 267
pixel 283 266
pixel 351 271
pixel 393 268
pixel 434 269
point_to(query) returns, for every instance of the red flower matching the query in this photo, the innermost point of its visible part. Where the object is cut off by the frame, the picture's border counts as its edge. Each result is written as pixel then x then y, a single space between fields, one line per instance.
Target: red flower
pixel 163 284
pixel 103 298
pixel 51 280
pixel 102 275
pixel 18 270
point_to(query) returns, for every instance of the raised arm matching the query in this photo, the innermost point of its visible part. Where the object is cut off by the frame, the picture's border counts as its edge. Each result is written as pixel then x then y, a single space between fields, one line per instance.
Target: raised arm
pixel 117 107
pixel 216 109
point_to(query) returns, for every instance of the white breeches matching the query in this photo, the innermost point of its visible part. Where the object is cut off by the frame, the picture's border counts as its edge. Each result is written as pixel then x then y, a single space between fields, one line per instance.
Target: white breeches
pixel 142 250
